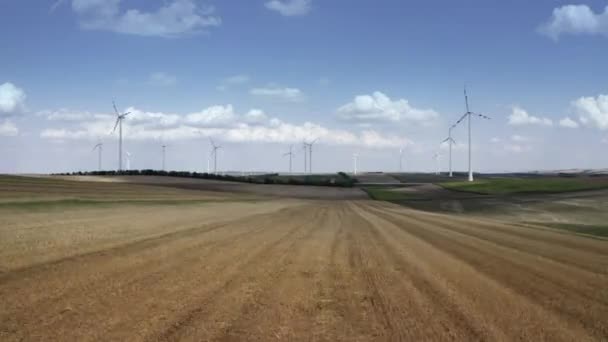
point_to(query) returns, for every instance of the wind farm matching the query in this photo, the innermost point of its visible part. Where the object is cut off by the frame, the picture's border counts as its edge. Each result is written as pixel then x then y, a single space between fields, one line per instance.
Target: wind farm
pixel 257 231
pixel 303 170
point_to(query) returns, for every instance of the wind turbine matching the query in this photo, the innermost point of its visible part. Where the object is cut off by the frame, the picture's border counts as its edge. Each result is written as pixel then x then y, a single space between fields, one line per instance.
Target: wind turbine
pixel 468 115
pixel 214 149
pixel 355 162
pixel 164 155
pixel 119 119
pixel 99 147
pixel 305 148
pixel 437 157
pixel 310 155
pixel 290 154
pixel 450 141
pixel 128 159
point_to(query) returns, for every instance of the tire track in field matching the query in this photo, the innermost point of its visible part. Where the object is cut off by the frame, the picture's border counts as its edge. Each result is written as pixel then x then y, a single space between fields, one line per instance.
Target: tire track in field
pixel 429 302
pixel 123 274
pixel 534 282
pixel 185 326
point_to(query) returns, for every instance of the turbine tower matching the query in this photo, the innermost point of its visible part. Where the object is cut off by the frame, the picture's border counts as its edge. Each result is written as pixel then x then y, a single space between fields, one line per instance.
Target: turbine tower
pixel 437 157
pixel 98 147
pixel 305 148
pixel 164 155
pixel 128 160
pixel 290 154
pixel 468 115
pixel 119 119
pixel 450 141
pixel 310 155
pixel 214 149
pixel 355 162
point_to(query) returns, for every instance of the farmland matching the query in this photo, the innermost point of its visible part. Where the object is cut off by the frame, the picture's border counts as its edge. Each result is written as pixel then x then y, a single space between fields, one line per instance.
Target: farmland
pixel 161 260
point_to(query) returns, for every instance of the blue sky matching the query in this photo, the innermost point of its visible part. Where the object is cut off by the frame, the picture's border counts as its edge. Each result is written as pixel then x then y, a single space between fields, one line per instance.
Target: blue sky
pixel 259 75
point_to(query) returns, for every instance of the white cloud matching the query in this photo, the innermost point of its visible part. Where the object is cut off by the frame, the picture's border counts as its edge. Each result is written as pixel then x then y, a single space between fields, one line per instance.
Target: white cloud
pixel 575 19
pixel 8 129
pixel 222 123
pixel 162 79
pixel 255 116
pixel 215 116
pixel 568 123
pixel 289 8
pixel 378 107
pixel 593 111
pixel 174 19
pixel 12 99
pixel 520 117
pixel 286 94
pixel 495 140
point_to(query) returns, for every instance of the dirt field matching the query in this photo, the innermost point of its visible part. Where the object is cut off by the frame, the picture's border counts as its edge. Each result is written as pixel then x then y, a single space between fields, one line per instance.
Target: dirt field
pixel 293 270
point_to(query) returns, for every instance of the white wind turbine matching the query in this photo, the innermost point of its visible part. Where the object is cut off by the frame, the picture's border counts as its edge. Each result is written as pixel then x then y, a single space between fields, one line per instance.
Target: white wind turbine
pixel 290 154
pixel 164 147
pixel 450 141
pixel 119 119
pixel 214 149
pixel 437 157
pixel 310 155
pixel 355 163
pixel 468 115
pixel 305 148
pixel 128 160
pixel 99 147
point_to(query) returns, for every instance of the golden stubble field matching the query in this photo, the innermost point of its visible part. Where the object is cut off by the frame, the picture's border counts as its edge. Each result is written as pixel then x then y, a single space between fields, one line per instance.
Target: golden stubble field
pixel 194 265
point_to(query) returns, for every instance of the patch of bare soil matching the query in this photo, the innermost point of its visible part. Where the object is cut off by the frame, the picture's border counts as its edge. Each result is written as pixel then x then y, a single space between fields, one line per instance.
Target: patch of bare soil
pixel 324 271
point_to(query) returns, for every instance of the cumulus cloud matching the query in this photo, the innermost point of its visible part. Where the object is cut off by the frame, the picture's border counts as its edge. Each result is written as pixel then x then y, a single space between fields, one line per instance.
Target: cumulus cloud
pixel 520 117
pixel 379 108
pixel 222 123
pixel 286 94
pixel 575 19
pixel 12 99
pixel 175 18
pixel 256 116
pixel 568 123
pixel 215 116
pixel 593 111
pixel 162 79
pixel 289 8
pixel 8 129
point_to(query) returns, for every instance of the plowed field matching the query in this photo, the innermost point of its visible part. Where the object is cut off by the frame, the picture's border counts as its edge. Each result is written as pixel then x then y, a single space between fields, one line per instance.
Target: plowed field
pixel 294 271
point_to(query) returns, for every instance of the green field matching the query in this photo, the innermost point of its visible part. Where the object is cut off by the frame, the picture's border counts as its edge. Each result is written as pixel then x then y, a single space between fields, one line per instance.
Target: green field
pixel 501 186
pixel 387 194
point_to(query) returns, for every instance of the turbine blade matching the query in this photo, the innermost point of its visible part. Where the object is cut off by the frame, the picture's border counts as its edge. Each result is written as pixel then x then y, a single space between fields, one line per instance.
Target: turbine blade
pixel 115 109
pixel 461 118
pixel 125 114
pixel 116 125
pixel 483 116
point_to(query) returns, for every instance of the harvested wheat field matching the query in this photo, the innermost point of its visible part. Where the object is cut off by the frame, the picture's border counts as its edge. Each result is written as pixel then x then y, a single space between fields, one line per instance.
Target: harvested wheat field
pixel 292 270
